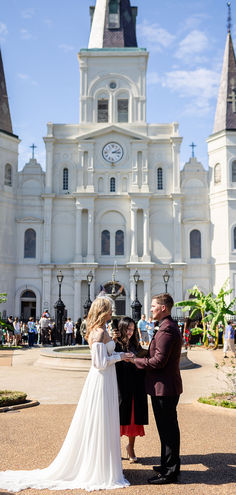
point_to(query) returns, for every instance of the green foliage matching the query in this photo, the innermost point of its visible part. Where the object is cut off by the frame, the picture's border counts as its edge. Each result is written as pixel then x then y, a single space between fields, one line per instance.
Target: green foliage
pixel 212 308
pixel 10 398
pixel 218 400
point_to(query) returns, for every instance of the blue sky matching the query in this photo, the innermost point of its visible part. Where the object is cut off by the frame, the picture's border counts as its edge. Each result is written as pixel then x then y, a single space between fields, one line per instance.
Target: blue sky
pixel 40 40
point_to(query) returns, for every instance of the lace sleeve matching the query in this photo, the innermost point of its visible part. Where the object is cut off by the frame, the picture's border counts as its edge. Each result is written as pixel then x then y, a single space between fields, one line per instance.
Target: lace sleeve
pixel 100 358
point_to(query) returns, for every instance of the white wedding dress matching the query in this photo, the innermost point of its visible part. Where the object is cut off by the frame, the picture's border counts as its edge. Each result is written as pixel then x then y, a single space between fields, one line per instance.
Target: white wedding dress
pixel 90 457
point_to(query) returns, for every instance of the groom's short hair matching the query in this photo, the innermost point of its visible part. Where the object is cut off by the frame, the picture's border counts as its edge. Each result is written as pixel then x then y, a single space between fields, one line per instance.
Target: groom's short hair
pixel 165 299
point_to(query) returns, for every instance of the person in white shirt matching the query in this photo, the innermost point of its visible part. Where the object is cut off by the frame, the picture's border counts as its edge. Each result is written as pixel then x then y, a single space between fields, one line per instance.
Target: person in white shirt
pixel 17 332
pixel 69 327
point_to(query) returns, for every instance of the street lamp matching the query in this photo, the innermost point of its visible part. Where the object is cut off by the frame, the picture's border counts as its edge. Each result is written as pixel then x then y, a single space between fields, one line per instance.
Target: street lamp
pixel 136 306
pixel 87 304
pixel 166 278
pixel 59 307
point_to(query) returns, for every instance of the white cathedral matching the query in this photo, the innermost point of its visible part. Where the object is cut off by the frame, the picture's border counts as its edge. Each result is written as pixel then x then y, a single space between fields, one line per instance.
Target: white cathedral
pixel 113 190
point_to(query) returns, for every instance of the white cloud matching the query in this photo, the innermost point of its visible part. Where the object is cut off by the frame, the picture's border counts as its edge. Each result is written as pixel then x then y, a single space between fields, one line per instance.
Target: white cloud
pixel 193 22
pixel 199 85
pixel 25 35
pixel 193 44
pixel 28 13
pixel 155 36
pixel 3 31
pixel 27 78
pixel 67 48
pixel 153 78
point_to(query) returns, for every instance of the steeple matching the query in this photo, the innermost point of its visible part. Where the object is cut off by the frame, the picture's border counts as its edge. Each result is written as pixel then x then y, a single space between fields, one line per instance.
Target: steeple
pixel 5 116
pixel 225 117
pixel 113 24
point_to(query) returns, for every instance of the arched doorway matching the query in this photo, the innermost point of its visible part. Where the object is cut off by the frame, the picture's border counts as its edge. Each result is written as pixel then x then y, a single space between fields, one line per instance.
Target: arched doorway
pixel 120 299
pixel 28 305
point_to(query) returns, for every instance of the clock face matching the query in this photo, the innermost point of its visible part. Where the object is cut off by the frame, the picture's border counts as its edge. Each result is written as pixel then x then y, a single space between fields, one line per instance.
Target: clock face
pixel 112 152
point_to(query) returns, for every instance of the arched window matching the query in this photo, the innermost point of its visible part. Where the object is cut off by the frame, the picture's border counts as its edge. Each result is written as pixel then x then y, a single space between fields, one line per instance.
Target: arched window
pixel 30 244
pixel 113 184
pixel 65 179
pixel 105 247
pixel 159 178
pixel 119 243
pixel 234 172
pixel 113 7
pixel 195 244
pixel 234 237
pixel 8 175
pixel 217 173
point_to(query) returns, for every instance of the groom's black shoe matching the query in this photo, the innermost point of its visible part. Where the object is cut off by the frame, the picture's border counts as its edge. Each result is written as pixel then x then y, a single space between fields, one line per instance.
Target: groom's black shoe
pixel 159 469
pixel 161 479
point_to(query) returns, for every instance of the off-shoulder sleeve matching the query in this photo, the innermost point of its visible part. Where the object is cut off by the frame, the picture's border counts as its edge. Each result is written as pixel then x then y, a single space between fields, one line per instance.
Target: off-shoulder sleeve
pixel 100 358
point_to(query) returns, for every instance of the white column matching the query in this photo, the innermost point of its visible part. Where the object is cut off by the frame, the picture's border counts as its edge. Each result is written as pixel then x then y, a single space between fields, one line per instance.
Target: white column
pixel 77 296
pixel 177 230
pixel 147 295
pixel 46 292
pixel 49 164
pixel 133 229
pixel 176 142
pixel 146 250
pixel 90 256
pixel 78 233
pixel 47 229
pixel 132 293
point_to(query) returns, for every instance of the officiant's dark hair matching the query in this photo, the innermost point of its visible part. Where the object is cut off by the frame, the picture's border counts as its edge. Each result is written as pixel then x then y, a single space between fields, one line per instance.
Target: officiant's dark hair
pixel 165 299
pixel 122 328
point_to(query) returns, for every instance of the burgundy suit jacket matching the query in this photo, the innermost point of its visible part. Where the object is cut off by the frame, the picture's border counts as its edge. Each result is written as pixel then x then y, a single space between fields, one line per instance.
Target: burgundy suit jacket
pixel 162 361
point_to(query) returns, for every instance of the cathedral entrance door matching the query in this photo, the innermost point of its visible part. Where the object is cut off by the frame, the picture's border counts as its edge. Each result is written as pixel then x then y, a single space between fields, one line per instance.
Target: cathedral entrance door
pixel 28 305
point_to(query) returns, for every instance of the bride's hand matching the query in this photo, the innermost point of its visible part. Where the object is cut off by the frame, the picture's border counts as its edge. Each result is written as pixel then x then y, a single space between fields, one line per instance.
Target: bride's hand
pixel 128 356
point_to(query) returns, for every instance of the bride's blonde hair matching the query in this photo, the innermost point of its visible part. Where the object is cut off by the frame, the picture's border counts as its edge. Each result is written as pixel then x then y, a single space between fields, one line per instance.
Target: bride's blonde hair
pixel 97 316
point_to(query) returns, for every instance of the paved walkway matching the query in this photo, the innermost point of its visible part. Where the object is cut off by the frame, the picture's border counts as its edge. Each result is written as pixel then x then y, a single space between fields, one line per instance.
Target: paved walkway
pixel 31 438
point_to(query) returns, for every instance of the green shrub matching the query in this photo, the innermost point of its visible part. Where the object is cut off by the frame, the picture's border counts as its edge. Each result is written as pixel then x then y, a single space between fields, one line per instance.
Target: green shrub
pixel 10 398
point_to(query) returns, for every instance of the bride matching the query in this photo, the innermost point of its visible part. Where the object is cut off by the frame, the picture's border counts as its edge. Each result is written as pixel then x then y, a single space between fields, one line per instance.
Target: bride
pixel 90 457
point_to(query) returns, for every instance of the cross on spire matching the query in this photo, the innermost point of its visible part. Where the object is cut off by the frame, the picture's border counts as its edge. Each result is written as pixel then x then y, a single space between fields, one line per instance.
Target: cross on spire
pixel 229 20
pixel 193 146
pixel 33 148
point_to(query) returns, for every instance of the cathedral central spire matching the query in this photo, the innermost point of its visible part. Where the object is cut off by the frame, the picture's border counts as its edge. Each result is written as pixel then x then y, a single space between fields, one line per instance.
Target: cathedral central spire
pixel 5 116
pixel 113 24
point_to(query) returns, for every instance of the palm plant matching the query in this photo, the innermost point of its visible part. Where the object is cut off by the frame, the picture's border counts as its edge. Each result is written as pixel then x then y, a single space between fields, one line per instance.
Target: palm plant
pixel 222 310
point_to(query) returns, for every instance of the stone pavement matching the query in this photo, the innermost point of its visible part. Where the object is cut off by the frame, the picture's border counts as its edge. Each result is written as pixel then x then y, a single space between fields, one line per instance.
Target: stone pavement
pixel 31 438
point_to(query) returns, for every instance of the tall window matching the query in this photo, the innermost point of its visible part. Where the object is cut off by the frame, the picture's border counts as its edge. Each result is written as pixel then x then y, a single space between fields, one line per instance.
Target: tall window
pixel 103 110
pixel 234 237
pixel 123 110
pixel 159 178
pixel 195 244
pixel 119 243
pixel 30 244
pixel 113 184
pixel 65 179
pixel 8 175
pixel 217 173
pixel 105 247
pixel 234 172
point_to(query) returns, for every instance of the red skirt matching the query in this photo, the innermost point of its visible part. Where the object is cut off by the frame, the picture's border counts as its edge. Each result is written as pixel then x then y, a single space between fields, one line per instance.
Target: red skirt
pixel 132 430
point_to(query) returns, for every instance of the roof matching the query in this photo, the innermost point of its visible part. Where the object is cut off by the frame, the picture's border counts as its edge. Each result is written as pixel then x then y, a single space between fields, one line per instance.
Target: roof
pixel 5 116
pixel 113 24
pixel 225 117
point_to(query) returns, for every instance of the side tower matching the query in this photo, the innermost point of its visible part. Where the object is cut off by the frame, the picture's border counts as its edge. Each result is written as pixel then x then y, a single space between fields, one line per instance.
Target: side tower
pixel 222 169
pixel 9 143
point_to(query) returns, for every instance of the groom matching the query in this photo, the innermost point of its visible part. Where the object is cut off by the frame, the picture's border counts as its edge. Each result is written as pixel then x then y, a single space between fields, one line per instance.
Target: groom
pixel 164 384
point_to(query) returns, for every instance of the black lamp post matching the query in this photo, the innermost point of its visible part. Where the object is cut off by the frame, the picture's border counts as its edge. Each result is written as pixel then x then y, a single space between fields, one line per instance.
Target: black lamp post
pixel 88 303
pixel 136 306
pixel 166 277
pixel 59 307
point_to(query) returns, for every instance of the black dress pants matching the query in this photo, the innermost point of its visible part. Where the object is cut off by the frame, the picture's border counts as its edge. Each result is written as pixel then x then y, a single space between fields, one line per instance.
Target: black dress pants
pixel 164 409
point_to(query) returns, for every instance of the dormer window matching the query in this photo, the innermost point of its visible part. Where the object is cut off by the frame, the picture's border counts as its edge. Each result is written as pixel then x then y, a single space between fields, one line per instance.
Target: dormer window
pixel 103 110
pixel 114 14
